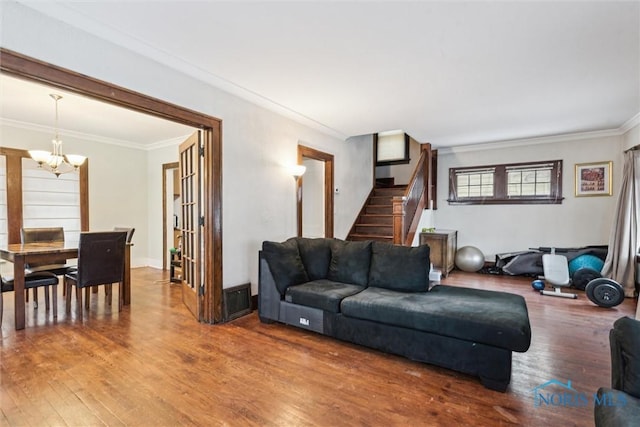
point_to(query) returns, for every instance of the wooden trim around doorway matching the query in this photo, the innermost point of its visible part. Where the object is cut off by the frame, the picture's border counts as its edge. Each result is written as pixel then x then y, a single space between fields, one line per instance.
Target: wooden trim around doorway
pixel 327 158
pixel 28 68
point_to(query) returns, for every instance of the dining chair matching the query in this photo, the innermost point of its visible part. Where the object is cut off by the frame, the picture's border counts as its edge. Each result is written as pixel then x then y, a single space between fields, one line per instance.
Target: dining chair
pixel 49 234
pixel 100 262
pixel 33 281
pixel 57 267
pixel 128 230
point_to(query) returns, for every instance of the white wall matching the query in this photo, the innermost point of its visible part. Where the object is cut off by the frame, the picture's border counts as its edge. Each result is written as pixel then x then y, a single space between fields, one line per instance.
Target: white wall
pixel 353 181
pixel 258 194
pixel 495 229
pixel 154 161
pixel 117 181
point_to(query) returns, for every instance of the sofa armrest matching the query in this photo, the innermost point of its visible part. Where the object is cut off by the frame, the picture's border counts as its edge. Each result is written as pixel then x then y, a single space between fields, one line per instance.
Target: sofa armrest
pixel 268 296
pixel 624 410
pixel 624 339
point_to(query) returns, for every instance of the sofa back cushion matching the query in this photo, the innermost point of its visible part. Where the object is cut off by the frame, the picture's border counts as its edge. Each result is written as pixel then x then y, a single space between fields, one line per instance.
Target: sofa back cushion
pixel 400 268
pixel 285 263
pixel 350 262
pixel 316 256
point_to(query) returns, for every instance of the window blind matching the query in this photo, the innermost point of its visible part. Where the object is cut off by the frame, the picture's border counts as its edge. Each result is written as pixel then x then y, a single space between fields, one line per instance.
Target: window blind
pixel 48 201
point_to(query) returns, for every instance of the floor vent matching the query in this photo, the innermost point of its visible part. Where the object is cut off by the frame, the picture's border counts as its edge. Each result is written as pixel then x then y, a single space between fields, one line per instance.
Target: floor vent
pixel 237 301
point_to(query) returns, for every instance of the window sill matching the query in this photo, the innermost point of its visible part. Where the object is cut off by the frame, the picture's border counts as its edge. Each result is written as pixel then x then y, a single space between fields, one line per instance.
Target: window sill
pixel 518 201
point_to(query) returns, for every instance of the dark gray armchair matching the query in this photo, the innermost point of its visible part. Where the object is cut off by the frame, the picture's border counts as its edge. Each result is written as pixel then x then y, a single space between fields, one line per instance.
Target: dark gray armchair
pixel 619 405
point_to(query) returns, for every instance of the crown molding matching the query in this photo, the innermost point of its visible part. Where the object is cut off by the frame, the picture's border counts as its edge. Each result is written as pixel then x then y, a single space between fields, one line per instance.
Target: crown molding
pixel 73 134
pixel 630 124
pixel 171 142
pixel 551 139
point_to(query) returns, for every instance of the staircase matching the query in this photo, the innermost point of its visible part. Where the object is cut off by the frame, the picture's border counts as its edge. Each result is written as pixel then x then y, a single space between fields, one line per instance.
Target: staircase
pixel 375 221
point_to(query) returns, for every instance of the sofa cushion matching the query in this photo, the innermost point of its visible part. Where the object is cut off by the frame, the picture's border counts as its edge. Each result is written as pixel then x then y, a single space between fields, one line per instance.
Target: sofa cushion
pixel 625 350
pixel 316 256
pixel 350 262
pixel 323 294
pixel 401 268
pixel 285 263
pixel 494 318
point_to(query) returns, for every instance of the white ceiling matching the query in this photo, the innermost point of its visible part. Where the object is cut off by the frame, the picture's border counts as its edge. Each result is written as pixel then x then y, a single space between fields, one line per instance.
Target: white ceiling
pixel 449 73
pixel 27 104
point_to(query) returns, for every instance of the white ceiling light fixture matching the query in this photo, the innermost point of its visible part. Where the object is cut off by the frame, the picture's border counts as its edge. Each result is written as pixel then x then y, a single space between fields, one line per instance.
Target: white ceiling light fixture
pixel 56 162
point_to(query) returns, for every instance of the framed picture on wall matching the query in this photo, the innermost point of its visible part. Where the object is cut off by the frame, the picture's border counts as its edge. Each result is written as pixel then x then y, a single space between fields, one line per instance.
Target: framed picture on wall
pixel 593 179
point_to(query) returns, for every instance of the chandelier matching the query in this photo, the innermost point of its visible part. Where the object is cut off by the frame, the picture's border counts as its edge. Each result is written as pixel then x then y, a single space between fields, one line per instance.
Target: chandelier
pixel 55 161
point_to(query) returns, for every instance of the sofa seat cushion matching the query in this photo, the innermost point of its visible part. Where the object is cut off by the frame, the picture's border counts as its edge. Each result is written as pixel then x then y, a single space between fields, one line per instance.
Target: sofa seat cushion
pixel 494 318
pixel 323 294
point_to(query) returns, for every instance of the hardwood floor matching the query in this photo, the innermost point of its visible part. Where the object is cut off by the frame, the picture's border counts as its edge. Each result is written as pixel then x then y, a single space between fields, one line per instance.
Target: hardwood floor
pixel 153 365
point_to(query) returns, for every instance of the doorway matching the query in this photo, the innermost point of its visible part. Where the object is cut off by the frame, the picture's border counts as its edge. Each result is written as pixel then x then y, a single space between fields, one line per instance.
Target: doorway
pixel 28 68
pixel 170 211
pixel 315 201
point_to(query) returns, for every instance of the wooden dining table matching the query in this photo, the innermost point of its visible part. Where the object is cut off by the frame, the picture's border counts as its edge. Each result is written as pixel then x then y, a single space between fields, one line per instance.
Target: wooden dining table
pixel 42 252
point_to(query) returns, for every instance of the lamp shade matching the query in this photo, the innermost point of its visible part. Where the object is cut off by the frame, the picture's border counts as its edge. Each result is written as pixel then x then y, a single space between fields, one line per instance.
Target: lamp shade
pixel 75 160
pixel 298 170
pixel 40 156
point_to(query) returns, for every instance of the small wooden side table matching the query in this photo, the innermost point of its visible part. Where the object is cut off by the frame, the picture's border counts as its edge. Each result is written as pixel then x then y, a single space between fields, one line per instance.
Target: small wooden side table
pixel 175 266
pixel 443 245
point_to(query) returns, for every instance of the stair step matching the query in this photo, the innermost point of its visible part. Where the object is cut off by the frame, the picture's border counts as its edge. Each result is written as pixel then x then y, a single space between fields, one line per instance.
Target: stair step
pixel 380 200
pixel 360 237
pixel 376 219
pixel 374 229
pixel 378 209
pixel 389 191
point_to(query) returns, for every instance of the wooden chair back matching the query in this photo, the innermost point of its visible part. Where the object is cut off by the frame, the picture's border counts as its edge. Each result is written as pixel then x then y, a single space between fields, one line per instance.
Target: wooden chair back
pixel 101 258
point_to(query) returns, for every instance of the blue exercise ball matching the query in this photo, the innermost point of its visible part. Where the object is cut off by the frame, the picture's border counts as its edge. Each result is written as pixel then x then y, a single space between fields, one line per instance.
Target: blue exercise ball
pixel 537 284
pixel 585 261
pixel 469 258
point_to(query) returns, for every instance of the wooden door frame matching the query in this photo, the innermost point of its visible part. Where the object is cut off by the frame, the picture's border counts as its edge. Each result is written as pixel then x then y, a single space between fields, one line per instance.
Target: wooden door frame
pixel 28 68
pixel 312 153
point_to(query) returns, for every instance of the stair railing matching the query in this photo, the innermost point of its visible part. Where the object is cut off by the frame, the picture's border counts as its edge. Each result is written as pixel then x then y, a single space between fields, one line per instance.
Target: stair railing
pixel 407 208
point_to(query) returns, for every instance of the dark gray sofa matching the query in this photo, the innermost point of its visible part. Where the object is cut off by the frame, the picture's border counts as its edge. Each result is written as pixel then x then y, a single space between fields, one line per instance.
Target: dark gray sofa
pixel 377 295
pixel 619 406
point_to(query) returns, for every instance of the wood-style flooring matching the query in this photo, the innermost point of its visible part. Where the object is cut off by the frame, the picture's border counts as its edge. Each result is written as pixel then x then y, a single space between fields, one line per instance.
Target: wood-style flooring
pixel 153 365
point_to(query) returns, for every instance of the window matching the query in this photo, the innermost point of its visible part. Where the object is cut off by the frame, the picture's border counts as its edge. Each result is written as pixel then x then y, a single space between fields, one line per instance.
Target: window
pixel 50 201
pixel 33 198
pixel 392 148
pixel 517 183
pixel 472 183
